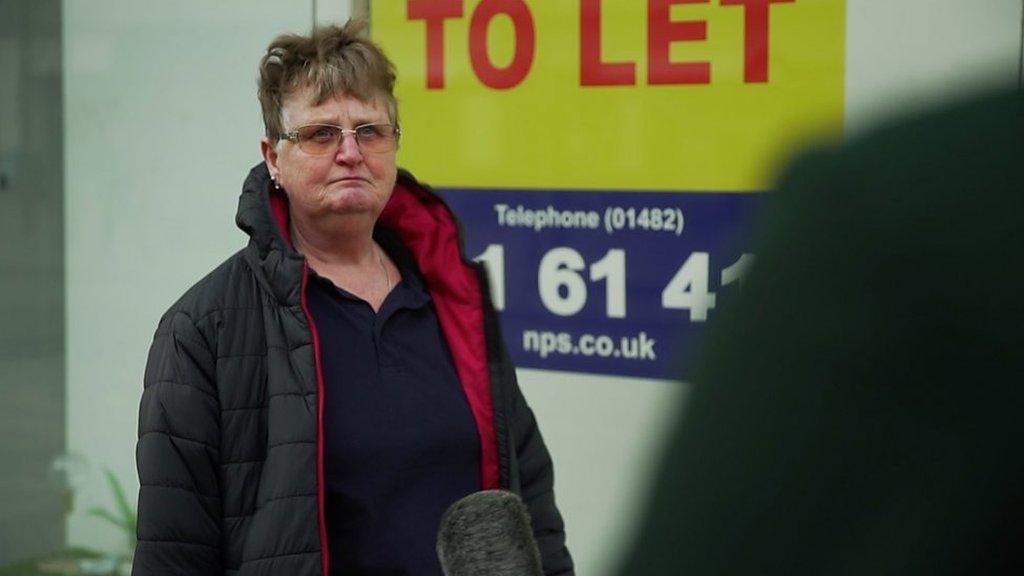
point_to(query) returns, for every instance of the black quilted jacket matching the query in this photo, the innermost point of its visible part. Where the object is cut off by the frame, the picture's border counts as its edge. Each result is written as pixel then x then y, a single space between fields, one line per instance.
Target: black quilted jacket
pixel 229 452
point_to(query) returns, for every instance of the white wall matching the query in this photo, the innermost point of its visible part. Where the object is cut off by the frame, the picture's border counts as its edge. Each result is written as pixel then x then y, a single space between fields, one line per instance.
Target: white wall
pixel 162 125
pixel 605 434
pixel 903 55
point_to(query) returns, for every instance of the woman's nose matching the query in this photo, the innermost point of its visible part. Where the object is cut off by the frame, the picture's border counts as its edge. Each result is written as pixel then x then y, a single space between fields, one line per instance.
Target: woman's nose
pixel 348 150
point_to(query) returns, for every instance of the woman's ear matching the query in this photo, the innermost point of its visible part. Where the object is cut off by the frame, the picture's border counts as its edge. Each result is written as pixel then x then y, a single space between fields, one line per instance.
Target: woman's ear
pixel 269 151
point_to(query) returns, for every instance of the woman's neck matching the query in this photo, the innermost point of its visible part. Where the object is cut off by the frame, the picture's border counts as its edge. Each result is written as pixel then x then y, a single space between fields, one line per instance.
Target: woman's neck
pixel 340 246
pixel 348 257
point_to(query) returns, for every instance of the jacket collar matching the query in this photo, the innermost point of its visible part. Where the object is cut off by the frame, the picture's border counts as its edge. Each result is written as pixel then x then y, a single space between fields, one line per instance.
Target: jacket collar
pixel 263 215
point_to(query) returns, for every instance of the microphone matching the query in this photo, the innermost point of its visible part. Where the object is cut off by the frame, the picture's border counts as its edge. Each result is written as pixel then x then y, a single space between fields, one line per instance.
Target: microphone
pixel 488 533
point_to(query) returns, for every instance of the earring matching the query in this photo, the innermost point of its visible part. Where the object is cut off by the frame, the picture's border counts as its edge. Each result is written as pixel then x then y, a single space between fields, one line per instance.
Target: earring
pixel 276 185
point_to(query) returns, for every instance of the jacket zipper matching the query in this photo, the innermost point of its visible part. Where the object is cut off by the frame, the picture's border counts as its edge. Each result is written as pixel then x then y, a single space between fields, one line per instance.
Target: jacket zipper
pixel 320 491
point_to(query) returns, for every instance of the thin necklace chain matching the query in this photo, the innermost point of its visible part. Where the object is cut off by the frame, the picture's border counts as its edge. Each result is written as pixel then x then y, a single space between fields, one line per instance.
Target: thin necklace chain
pixel 384 269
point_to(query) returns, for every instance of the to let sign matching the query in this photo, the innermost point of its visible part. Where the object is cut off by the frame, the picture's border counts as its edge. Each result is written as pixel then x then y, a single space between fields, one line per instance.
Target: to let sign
pixel 605 157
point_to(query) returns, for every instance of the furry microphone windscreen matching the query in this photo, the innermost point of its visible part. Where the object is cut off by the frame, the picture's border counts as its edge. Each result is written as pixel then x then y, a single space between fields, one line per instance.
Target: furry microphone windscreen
pixel 488 533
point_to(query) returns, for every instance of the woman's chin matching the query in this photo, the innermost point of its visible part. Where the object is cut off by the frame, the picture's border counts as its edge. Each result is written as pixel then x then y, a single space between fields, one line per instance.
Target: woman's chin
pixel 355 207
pixel 344 199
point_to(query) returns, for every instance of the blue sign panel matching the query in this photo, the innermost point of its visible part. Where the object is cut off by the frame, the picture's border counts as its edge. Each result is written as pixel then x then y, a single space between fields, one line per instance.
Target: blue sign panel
pixel 607 282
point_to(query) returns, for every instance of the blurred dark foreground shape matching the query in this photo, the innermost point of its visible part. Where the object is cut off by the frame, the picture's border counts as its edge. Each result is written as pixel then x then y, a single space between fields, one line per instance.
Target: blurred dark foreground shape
pixel 860 409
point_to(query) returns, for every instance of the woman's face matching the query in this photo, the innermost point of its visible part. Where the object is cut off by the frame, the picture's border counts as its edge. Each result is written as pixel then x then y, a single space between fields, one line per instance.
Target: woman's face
pixel 348 182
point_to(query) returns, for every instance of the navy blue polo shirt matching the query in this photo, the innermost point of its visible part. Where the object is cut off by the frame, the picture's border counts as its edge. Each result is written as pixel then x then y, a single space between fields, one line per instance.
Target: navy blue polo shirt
pixel 401 444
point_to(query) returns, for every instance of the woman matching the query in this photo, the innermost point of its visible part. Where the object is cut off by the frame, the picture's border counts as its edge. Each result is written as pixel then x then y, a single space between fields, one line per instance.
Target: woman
pixel 313 405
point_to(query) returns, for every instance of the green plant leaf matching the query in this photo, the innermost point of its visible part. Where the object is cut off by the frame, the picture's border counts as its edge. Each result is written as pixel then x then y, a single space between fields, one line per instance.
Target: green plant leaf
pixel 109 517
pixel 123 507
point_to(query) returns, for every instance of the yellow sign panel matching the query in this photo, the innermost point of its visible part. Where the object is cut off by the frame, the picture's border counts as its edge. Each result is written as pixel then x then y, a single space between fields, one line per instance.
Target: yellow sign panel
pixel 697 95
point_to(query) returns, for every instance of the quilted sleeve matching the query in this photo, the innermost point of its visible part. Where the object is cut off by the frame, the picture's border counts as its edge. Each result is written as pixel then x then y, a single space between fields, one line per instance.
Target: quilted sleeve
pixel 179 514
pixel 537 479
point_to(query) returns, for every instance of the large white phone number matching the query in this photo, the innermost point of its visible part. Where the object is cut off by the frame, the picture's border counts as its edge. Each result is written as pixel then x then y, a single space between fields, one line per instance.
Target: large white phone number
pixel 563 275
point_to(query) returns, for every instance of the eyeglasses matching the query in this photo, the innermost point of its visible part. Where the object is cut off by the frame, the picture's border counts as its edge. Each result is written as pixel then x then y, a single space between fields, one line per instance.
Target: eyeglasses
pixel 321 139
